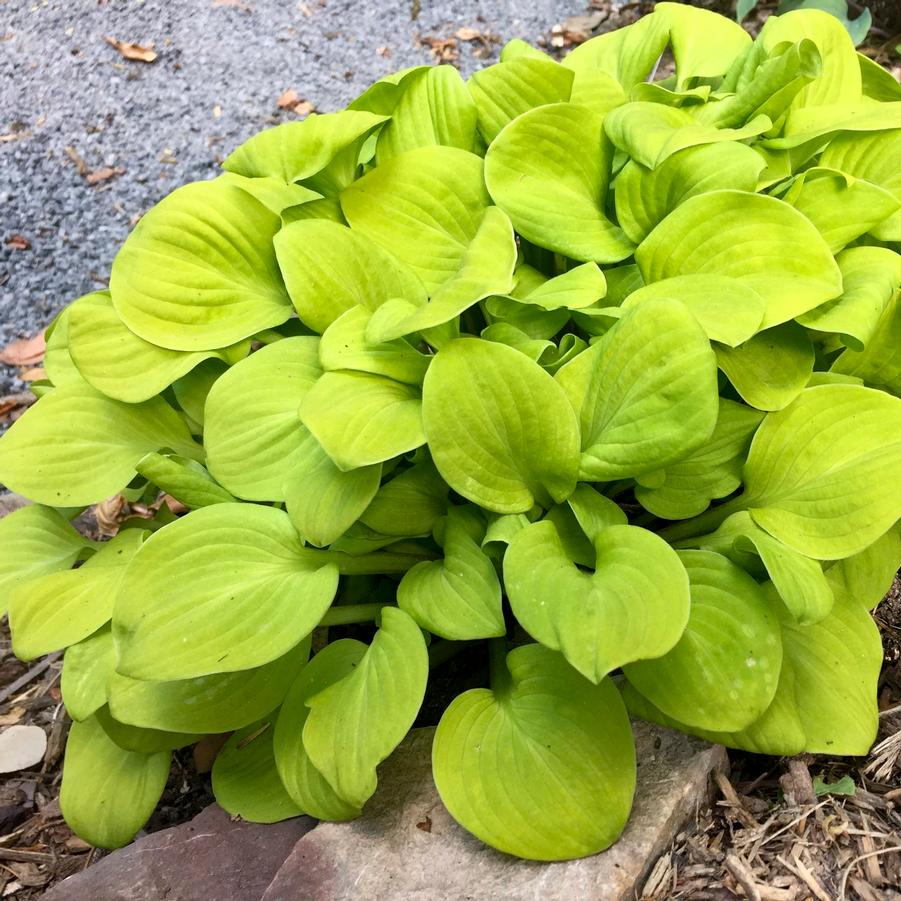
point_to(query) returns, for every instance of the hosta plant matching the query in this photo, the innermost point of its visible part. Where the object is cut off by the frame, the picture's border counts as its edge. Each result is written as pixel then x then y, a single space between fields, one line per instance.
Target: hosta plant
pixel 588 371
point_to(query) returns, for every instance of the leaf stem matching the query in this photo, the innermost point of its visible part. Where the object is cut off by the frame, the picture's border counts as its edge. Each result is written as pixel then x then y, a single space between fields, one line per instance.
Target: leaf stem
pixel 707 522
pixel 501 681
pixel 375 563
pixel 345 614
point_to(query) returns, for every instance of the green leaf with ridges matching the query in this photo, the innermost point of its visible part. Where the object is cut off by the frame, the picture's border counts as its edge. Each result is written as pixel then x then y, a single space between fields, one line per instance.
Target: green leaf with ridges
pixel 723 672
pixel 542 765
pixel 645 393
pixel 199 272
pixel 633 605
pixel 355 723
pixel 497 427
pixel 227 587
pixel 86 667
pixel 549 170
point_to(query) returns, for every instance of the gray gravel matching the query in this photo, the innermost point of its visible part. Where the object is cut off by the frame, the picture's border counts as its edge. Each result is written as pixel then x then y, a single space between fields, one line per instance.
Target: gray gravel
pixel 221 67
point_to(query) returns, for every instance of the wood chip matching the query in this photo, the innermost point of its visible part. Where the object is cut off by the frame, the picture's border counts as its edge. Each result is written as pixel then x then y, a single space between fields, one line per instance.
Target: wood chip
pixel 135 52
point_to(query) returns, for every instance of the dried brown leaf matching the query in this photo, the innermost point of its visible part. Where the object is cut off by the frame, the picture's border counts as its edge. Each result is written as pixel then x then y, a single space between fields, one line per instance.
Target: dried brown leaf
pixel 36 373
pixel 288 99
pixel 25 351
pixel 135 52
pixel 18 242
pixel 206 749
pixel 468 34
pixel 110 514
pixel 104 174
pixel 80 164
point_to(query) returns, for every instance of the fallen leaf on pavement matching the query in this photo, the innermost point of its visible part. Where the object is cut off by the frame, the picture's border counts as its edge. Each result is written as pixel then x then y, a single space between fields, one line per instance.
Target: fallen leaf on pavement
pixel 14 405
pixel 468 34
pixel 444 50
pixel 25 351
pixel 21 747
pixel 291 100
pixel 18 242
pixel 73 155
pixel 137 52
pixel 104 174
pixel 33 375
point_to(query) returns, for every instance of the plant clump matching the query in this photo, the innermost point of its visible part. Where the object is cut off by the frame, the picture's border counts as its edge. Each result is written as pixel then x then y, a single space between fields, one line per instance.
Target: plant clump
pixel 598 372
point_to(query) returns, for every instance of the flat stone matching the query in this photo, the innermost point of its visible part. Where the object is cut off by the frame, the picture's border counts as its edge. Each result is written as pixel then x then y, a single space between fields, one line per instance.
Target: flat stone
pixel 212 857
pixel 407 846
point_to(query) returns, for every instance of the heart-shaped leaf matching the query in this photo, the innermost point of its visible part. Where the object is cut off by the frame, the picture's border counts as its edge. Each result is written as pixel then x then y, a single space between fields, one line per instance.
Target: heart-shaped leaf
pixel 459 597
pixel 723 672
pixel 225 588
pixel 633 605
pixel 199 272
pixel 542 765
pixel 549 171
pixel 645 393
pixel 867 576
pixel 497 427
pixel 762 241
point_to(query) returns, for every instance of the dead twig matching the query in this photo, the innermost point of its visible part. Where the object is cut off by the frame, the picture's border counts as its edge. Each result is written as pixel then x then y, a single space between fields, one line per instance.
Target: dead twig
pixel 23 680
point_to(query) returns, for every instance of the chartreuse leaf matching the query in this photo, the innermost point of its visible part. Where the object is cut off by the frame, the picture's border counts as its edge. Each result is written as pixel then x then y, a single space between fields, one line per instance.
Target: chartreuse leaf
pixel 121 365
pixel 644 197
pixel 192 390
pixel 61 608
pixel 356 722
pixel 271 191
pixel 712 471
pixel 512 87
pixel 245 780
pixel 650 133
pixel 498 427
pixel 542 765
pixel 840 81
pixel 424 206
pixel 840 206
pixel 826 699
pixel 344 346
pixel 322 501
pixel 762 241
pixel 867 576
pixel 726 309
pixel 799 581
pixel 722 673
pixel 86 667
pixel 434 108
pixel 299 150
pixel 628 54
pixel 186 480
pixel 870 157
pixel 307 787
pixel 704 44
pixel 770 369
pixel 409 504
pixel 199 272
pixel 107 793
pixel 645 393
pixel 252 433
pixel 35 541
pixel 215 703
pixel 879 363
pixel 360 418
pixel 58 363
pixel 871 277
pixel 459 597
pixel 225 588
pixel 816 472
pixel 878 83
pixel 486 268
pixel 549 171
pixel 143 741
pixel 575 289
pixel 43 454
pixel 330 269
pixel 633 605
